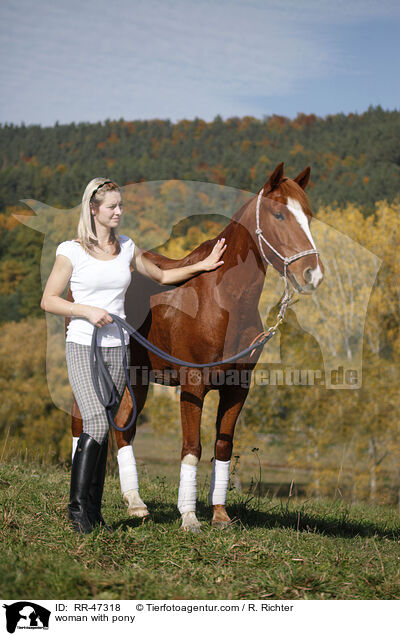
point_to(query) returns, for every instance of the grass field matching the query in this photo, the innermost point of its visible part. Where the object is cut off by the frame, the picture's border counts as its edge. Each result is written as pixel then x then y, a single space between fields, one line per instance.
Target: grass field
pixel 158 455
pixel 275 549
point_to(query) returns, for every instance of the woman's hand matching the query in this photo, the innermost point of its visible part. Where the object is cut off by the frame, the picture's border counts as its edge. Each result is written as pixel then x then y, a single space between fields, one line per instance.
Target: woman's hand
pixel 176 275
pixel 213 260
pixel 98 317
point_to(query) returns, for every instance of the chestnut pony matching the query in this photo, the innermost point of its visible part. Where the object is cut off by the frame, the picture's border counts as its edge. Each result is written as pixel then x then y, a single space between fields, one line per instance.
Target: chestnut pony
pixel 210 317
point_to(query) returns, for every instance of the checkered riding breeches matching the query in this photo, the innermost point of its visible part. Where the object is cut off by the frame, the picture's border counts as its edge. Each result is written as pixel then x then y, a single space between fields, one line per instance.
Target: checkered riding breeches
pixel 93 413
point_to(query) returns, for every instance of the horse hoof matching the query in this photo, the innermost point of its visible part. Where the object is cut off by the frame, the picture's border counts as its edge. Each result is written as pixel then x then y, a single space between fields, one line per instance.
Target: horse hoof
pixel 136 507
pixel 138 512
pixel 190 522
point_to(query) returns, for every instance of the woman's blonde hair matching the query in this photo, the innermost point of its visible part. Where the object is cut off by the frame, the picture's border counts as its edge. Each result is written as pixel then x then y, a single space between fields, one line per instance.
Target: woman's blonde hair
pixel 93 197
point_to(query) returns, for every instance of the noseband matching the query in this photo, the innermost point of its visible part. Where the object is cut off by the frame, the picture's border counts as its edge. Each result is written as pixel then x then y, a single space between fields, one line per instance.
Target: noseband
pixel 286 260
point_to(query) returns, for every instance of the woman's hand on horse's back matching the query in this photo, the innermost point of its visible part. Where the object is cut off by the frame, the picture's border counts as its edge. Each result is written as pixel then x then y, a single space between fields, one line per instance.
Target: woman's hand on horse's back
pixel 214 259
pixel 98 317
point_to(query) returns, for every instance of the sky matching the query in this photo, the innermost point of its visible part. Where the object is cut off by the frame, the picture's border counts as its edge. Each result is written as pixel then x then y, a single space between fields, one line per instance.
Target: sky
pixel 74 61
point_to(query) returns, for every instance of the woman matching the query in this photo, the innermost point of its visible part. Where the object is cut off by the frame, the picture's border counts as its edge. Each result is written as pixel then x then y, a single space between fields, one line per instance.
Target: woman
pixel 98 265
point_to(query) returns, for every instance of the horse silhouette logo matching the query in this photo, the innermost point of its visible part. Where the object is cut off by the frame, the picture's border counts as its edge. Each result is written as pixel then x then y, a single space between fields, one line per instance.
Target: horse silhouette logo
pixel 334 317
pixel 26 615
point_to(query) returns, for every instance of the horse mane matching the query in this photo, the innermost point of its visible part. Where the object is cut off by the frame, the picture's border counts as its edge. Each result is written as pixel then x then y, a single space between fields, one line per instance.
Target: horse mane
pixel 202 250
pixel 287 188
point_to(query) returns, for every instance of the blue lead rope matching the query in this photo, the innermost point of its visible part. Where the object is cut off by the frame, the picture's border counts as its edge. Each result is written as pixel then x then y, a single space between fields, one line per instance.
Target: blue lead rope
pixel 104 385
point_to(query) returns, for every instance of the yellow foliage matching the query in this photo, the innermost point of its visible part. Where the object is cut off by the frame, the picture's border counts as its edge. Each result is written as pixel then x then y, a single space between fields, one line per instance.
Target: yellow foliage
pixel 297 149
pixel 46 172
pixel 11 272
pixel 27 412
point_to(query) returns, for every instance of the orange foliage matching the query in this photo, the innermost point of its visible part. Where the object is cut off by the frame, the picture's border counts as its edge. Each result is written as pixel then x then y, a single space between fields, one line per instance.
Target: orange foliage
pixel 33 160
pixel 113 138
pixel 8 221
pixel 218 174
pixel 246 122
pixel 304 120
pixel 277 123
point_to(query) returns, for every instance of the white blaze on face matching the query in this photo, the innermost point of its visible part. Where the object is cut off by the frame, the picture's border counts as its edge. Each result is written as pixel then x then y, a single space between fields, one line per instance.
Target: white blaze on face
pixel 295 208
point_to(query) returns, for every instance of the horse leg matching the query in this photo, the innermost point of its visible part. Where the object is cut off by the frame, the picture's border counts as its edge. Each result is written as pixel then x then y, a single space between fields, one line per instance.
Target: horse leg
pixel 76 426
pixel 126 459
pixel 230 404
pixel 192 399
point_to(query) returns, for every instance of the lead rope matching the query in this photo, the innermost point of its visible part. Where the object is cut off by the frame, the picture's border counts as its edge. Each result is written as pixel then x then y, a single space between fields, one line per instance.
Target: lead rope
pixel 104 386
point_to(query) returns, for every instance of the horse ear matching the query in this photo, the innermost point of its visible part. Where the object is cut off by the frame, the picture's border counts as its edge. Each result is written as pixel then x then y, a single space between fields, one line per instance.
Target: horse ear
pixel 303 178
pixel 274 179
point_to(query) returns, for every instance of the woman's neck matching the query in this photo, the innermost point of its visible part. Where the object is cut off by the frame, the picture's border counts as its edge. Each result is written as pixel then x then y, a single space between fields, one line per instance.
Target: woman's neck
pixel 103 236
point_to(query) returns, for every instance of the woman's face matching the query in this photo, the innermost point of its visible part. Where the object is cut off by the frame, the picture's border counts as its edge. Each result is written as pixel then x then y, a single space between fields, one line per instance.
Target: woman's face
pixel 109 212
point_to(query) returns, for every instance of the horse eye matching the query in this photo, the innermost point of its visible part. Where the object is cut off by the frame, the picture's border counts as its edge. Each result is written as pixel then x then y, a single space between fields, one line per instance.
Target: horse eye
pixel 279 216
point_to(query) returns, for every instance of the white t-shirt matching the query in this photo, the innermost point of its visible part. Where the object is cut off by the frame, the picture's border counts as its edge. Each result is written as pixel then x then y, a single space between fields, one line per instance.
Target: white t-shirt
pixel 99 284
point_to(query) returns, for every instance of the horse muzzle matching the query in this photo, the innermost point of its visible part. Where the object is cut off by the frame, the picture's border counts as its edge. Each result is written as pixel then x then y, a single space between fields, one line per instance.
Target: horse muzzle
pixel 312 279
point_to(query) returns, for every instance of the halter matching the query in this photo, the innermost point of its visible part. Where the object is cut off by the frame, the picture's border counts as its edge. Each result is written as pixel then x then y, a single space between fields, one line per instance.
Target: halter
pixel 286 260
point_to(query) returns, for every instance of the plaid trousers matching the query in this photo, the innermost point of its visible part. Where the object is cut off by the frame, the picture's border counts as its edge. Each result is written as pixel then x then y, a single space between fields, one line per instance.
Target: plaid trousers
pixel 93 413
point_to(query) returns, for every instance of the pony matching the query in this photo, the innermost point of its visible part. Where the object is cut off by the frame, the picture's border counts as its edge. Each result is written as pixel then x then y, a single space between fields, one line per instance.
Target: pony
pixel 211 317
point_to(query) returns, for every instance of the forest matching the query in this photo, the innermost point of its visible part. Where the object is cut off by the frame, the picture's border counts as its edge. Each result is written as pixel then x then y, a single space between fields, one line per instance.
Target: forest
pixel 181 183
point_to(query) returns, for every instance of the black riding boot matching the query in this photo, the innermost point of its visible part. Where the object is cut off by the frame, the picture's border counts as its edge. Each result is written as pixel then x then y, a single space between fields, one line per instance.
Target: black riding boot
pixel 96 489
pixel 82 472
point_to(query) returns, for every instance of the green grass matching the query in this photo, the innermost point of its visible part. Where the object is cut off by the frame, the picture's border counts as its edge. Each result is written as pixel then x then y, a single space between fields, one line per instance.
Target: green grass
pixel 279 549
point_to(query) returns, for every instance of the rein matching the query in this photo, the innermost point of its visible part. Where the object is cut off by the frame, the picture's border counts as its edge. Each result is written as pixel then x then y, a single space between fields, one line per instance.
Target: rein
pixel 101 378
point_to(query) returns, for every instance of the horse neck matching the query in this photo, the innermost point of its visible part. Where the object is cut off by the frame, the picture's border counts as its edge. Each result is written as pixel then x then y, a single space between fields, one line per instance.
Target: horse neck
pixel 242 250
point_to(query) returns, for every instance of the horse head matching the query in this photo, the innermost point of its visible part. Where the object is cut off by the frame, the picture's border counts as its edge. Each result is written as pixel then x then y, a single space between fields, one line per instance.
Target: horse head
pixel 284 234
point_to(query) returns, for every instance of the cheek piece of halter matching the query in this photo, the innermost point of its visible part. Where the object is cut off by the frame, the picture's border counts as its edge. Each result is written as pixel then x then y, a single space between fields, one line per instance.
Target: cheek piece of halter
pixel 286 260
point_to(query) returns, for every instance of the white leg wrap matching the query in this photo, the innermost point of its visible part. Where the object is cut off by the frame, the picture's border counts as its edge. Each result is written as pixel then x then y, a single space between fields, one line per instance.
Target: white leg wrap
pixel 219 483
pixel 127 469
pixel 187 488
pixel 74 445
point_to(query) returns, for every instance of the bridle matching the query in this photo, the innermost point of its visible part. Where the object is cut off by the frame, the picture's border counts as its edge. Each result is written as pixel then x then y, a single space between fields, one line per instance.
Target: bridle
pixel 286 260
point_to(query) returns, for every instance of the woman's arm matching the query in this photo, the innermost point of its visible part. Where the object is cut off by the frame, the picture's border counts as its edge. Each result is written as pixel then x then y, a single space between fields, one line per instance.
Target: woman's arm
pixel 52 301
pixel 178 274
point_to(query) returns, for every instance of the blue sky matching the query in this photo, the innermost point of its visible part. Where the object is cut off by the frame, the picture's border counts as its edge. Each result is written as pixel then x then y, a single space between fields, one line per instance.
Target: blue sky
pixel 76 61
